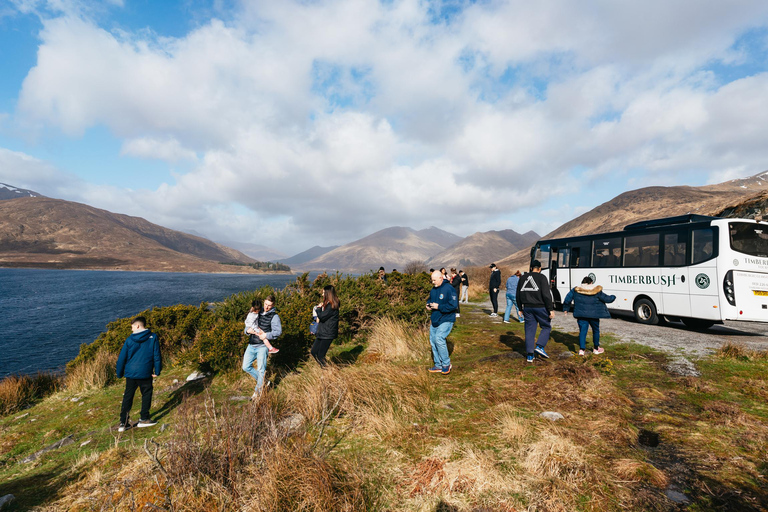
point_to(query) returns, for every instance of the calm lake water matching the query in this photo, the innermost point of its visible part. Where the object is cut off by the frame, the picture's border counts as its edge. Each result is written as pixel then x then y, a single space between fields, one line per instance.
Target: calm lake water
pixel 46 314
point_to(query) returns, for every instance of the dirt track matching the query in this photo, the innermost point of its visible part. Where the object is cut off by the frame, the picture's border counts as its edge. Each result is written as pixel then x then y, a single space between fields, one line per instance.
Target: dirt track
pixel 673 338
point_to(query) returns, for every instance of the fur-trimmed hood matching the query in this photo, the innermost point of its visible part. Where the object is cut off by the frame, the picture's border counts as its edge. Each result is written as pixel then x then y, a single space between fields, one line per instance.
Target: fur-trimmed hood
pixel 589 289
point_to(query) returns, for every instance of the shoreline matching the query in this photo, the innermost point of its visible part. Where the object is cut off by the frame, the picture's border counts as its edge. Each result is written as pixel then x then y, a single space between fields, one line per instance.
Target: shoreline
pixel 255 272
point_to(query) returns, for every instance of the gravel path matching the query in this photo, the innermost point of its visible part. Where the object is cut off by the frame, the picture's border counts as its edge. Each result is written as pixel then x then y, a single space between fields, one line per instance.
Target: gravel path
pixel 672 338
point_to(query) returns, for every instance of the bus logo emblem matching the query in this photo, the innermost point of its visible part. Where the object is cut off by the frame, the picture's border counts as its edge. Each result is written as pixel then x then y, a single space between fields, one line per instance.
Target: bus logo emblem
pixel 735 263
pixel 702 281
pixel 592 277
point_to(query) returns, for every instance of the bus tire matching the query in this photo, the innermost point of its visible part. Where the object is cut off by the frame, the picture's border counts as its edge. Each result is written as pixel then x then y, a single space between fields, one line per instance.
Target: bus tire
pixel 697 324
pixel 645 312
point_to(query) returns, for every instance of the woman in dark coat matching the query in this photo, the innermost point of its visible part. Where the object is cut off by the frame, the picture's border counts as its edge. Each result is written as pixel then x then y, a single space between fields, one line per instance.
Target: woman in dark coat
pixel 589 307
pixel 327 314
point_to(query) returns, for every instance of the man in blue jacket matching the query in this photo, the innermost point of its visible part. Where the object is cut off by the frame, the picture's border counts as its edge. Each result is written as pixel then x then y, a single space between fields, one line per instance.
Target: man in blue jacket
pixel 139 362
pixel 443 303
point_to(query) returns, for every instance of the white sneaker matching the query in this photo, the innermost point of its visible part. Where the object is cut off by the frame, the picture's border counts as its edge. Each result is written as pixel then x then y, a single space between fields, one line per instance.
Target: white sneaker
pixel 493 314
pixel 146 423
pixel 458 315
pixel 581 352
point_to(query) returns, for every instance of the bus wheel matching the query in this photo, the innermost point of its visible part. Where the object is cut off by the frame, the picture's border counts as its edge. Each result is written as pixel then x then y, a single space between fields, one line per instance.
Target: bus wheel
pixel 645 312
pixel 697 324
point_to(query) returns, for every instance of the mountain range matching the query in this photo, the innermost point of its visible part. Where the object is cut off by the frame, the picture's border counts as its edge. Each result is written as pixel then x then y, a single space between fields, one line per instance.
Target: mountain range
pixel 729 199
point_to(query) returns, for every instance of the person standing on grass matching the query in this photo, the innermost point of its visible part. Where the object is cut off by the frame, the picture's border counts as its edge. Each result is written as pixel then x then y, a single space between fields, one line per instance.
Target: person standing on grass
pixel 443 303
pixel 464 287
pixel 589 306
pixel 139 361
pixel 535 299
pixel 252 324
pixel 456 283
pixel 270 328
pixel 327 315
pixel 511 295
pixel 493 288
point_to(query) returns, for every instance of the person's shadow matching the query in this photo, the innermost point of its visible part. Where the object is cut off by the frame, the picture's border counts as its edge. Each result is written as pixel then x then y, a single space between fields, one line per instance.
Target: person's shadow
pixel 190 388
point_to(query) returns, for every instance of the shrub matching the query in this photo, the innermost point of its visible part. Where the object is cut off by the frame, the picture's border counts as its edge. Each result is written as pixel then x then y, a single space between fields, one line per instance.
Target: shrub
pixel 16 392
pixel 96 373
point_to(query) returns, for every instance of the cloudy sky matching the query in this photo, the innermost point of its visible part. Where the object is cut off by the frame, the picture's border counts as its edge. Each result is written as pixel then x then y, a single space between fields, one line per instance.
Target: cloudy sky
pixel 309 122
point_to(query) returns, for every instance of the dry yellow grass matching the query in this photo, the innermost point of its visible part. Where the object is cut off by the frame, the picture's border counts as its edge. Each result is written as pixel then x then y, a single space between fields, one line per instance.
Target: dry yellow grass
pixel 96 373
pixel 394 340
pixel 638 471
pixel 16 392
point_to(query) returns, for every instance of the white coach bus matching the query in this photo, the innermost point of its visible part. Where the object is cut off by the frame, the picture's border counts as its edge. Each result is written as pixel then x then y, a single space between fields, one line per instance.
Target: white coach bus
pixel 700 270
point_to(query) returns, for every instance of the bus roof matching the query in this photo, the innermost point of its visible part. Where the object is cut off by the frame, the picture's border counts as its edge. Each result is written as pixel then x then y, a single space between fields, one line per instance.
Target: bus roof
pixel 669 221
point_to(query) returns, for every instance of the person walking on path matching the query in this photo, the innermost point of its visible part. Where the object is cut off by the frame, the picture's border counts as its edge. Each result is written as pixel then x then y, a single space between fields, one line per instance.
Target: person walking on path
pixel 535 299
pixel 270 328
pixel 443 303
pixel 511 286
pixel 589 306
pixel 139 361
pixel 327 315
pixel 493 288
pixel 456 283
pixel 464 287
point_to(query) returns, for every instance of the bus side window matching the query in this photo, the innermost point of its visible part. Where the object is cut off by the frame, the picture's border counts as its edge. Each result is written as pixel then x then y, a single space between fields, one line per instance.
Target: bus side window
pixel 580 255
pixel 607 253
pixel 675 247
pixel 703 244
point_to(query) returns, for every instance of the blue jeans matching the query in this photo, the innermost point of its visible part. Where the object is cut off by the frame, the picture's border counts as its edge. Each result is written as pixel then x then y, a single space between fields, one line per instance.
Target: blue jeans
pixel 535 317
pixel 512 302
pixel 437 337
pixel 584 325
pixel 256 353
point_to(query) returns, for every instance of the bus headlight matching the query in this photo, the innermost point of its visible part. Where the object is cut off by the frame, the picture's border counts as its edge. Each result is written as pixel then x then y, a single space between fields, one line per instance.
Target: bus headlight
pixel 730 294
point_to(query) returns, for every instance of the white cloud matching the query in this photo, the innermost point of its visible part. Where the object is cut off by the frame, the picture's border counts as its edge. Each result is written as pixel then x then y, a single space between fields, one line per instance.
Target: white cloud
pixel 328 120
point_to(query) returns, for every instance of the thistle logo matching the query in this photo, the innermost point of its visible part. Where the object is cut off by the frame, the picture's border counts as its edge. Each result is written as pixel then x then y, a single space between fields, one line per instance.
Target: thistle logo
pixel 592 277
pixel 702 281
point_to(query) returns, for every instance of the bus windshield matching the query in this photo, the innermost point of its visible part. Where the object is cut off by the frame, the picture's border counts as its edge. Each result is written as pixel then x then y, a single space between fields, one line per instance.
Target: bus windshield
pixel 749 238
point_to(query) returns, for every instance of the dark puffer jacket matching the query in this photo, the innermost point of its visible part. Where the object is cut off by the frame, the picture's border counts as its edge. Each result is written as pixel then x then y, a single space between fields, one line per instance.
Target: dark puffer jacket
pixel 329 323
pixel 140 356
pixel 589 301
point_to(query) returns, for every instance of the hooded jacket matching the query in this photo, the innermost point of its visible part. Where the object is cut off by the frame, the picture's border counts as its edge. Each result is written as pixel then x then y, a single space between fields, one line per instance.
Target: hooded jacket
pixel 588 301
pixel 447 303
pixel 495 281
pixel 139 356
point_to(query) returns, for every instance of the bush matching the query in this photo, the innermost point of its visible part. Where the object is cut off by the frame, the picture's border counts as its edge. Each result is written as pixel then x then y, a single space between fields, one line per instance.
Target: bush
pixel 96 373
pixel 212 337
pixel 16 392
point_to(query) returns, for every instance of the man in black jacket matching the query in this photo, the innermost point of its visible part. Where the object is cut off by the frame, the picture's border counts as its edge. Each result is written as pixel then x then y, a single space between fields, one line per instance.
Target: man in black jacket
pixel 534 297
pixel 493 288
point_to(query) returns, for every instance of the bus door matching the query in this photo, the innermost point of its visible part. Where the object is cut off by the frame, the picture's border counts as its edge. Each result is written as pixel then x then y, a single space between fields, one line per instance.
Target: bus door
pixel 702 275
pixel 676 282
pixel 560 279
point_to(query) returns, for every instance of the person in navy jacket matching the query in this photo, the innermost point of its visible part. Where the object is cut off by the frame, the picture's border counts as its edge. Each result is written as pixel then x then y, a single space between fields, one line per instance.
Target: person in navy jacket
pixel 589 307
pixel 139 362
pixel 443 303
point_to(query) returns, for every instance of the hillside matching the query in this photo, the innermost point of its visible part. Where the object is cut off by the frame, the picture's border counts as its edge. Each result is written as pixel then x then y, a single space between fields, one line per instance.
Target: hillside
pixel 11 192
pixel 391 248
pixel 480 249
pixel 308 255
pixel 52 233
pixel 656 202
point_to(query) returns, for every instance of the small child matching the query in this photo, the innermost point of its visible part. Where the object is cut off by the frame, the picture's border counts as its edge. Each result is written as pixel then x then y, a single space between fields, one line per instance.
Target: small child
pixel 252 324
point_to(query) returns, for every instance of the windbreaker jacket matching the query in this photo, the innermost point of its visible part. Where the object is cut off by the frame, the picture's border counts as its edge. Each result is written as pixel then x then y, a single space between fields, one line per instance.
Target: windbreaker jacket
pixel 533 291
pixel 588 301
pixel 139 356
pixel 447 303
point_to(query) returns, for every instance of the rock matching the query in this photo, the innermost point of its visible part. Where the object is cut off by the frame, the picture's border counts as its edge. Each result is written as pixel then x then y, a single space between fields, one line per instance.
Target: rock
pixel 654 409
pixel 163 427
pixel 6 500
pixel 74 399
pixel 22 416
pixel 80 403
pixel 552 416
pixel 239 398
pixel 565 355
pixel 196 376
pixel 290 424
pixel 682 367
pixel 85 443
pixel 175 381
pixel 58 444
pixel 676 496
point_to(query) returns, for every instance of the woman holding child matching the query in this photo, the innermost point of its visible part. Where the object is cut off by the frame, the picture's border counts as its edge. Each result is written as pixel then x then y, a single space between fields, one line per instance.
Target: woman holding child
pixel 327 314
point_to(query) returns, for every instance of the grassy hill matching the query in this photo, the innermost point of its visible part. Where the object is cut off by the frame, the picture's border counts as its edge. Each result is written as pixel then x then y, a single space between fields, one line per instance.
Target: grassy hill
pixel 377 432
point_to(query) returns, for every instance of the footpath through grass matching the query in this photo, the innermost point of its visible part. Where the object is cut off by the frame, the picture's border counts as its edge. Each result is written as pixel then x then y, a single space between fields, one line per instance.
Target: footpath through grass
pixel 378 432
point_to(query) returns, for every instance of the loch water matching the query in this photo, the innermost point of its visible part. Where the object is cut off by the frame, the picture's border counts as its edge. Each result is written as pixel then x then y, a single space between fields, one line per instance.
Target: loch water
pixel 45 315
